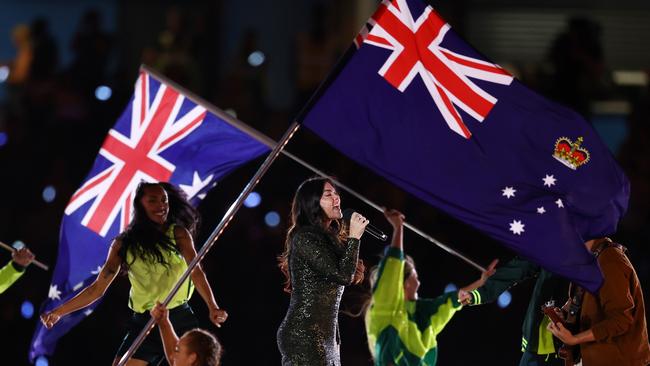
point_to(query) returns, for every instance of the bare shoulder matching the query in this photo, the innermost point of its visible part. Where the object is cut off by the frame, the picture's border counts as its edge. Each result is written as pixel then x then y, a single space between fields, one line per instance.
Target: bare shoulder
pixel 180 232
pixel 116 244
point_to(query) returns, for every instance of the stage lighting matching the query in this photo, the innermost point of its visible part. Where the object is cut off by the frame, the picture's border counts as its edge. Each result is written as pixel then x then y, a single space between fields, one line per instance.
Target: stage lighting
pixel 42 361
pixel 4 74
pixel 504 300
pixel 256 58
pixel 49 194
pixel 103 93
pixel 451 288
pixel 27 309
pixel 253 200
pixel 272 219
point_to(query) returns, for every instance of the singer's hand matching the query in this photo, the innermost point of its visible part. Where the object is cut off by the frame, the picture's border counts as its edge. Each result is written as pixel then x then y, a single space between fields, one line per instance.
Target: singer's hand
pixel 358 224
pixel 395 217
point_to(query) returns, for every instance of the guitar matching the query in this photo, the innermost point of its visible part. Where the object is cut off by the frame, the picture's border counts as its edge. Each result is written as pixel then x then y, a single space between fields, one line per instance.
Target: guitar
pixel 566 352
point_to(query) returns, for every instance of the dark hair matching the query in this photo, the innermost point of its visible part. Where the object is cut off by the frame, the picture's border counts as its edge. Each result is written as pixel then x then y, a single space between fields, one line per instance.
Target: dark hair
pixel 306 211
pixel 206 346
pixel 145 240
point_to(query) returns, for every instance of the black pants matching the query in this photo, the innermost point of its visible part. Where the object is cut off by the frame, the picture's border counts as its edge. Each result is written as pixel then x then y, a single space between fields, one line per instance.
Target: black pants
pixel 151 350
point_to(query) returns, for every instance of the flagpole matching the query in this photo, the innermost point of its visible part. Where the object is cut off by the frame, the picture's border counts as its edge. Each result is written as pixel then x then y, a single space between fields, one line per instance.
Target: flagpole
pixel 272 144
pixel 215 234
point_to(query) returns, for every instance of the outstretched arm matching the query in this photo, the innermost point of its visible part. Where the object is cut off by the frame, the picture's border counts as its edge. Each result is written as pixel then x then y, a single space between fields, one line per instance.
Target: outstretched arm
pixel 464 296
pixel 186 246
pixel 505 277
pixel 91 293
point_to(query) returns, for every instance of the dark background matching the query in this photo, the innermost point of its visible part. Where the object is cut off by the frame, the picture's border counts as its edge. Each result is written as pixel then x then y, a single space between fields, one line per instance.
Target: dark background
pixel 52 126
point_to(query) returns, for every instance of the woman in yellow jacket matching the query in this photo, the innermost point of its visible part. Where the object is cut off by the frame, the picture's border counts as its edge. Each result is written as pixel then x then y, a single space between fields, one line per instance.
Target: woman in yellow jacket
pixel 401 327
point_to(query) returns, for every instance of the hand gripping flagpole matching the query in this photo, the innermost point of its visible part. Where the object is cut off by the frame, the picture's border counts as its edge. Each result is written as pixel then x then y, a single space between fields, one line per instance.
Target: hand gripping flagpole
pixel 215 234
pixel 37 263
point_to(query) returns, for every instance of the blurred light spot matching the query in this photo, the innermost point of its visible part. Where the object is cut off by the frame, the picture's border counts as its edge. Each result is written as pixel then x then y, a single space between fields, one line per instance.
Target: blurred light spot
pixel 231 112
pixel 451 288
pixel 27 309
pixel 253 200
pixel 42 361
pixel 272 219
pixel 256 58
pixel 3 139
pixel 49 194
pixel 103 93
pixel 504 299
pixel 4 73
pixel 18 245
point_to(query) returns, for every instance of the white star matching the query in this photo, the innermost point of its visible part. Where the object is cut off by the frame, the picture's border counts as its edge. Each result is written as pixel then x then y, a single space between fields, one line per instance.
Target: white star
pixel 549 180
pixel 54 293
pixel 559 203
pixel 508 192
pixel 517 227
pixel 197 186
pixel 88 312
pixel 541 210
pixel 99 269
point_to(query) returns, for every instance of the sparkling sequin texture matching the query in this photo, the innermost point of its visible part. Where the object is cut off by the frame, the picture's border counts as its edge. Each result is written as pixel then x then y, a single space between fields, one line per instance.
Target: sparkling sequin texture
pixel 320 268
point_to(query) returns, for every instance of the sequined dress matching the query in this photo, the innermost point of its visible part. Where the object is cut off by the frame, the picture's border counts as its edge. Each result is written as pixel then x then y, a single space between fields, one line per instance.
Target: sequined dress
pixel 320 268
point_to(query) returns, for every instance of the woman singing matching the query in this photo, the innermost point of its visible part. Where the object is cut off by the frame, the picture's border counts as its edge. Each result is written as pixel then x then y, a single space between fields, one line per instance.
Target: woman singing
pixel 319 259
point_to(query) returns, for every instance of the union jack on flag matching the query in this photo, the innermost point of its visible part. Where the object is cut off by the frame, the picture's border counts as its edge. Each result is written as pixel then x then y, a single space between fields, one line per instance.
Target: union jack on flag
pixel 416 51
pixel 161 136
pixel 415 103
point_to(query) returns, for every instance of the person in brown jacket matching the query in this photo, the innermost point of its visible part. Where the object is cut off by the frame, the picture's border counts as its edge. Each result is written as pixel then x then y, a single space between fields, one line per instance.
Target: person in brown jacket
pixel 613 327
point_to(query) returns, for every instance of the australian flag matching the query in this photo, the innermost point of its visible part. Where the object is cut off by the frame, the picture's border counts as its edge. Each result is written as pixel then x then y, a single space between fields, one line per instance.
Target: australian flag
pixel 161 136
pixel 416 104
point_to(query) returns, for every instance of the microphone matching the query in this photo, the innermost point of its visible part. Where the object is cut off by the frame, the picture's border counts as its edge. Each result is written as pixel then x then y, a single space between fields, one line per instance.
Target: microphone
pixel 376 233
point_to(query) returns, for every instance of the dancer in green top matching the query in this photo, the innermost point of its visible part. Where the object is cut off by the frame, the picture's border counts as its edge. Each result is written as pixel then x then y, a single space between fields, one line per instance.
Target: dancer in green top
pixel 401 327
pixel 155 250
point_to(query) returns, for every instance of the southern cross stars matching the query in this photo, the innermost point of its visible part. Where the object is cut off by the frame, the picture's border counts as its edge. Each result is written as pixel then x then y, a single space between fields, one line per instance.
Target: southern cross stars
pixel 517 227
pixel 508 192
pixel 549 180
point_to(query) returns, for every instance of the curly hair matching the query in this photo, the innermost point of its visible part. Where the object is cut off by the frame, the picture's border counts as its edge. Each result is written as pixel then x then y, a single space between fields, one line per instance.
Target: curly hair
pixel 143 237
pixel 306 211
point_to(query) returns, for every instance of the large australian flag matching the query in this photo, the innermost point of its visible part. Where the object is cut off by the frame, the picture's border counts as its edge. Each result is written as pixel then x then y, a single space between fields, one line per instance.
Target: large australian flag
pixel 416 104
pixel 161 136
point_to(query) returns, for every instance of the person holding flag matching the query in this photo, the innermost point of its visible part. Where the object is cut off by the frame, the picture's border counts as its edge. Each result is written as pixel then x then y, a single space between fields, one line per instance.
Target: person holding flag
pixel 10 273
pixel 612 325
pixel 165 134
pixel 155 250
pixel 401 327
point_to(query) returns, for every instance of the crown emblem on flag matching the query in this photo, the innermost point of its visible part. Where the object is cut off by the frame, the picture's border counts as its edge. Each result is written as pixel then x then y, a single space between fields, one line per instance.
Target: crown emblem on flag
pixel 570 153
